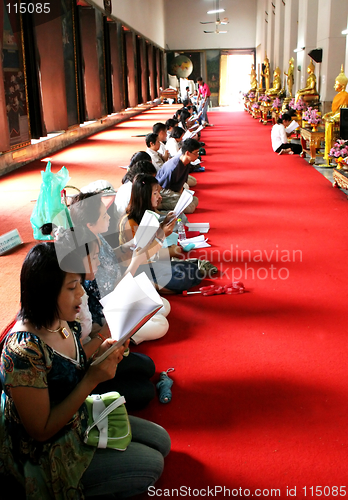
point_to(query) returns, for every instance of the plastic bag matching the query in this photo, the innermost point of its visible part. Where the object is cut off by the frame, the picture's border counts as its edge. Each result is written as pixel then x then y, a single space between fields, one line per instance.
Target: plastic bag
pixel 49 203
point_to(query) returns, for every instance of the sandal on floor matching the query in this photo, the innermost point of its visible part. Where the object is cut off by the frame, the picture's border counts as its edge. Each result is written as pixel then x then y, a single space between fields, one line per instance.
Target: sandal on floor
pixel 205 265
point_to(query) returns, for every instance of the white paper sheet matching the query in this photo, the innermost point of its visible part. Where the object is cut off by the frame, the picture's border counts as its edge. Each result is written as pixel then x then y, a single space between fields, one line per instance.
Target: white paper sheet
pixel 198 241
pixel 128 307
pixel 202 227
pixel 147 229
pixel 184 200
pixel 293 126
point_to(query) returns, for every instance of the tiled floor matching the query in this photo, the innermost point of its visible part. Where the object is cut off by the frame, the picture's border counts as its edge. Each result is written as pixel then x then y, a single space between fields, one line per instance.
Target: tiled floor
pixel 320 165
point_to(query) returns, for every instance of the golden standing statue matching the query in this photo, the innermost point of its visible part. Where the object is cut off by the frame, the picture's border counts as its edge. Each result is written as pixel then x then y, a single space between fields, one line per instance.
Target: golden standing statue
pixel 290 76
pixel 253 79
pixel 276 84
pixel 339 101
pixel 311 83
pixel 266 73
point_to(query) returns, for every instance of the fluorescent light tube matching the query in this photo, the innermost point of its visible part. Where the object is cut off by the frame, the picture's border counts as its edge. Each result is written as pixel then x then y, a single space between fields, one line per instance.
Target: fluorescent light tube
pixel 215 11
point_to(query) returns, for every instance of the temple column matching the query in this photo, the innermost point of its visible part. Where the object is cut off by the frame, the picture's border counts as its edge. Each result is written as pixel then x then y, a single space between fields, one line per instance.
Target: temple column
pixel 261 36
pixel 278 60
pixel 307 38
pixel 346 60
pixel 290 35
pixel 332 19
pixel 270 36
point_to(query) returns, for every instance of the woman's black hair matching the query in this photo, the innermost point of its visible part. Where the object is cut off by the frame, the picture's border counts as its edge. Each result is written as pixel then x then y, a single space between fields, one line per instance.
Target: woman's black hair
pixel 141 197
pixel 177 132
pixel 41 282
pixel 44 270
pixel 177 114
pixel 139 156
pixel 171 122
pixel 183 117
pixel 284 116
pixel 47 228
pixel 85 208
pixel 141 167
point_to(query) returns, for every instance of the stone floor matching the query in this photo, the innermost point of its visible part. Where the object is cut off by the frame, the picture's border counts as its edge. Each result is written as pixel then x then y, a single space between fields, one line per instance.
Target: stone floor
pixel 320 165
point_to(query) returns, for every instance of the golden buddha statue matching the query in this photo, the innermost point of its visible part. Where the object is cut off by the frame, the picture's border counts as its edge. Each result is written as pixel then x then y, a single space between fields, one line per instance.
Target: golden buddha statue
pixel 310 88
pixel 277 84
pixel 253 79
pixel 265 72
pixel 290 76
pixel 339 101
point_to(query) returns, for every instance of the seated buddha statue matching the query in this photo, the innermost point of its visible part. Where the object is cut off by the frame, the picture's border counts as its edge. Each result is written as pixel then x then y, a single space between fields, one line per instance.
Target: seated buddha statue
pixel 333 117
pixel 253 79
pixel 276 84
pixel 310 88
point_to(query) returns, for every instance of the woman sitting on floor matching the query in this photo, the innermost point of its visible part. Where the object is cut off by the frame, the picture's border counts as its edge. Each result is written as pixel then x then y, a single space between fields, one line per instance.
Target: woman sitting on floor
pixel 173 144
pixel 134 373
pixel 124 192
pixel 88 210
pixel 146 196
pixel 46 378
pixel 279 138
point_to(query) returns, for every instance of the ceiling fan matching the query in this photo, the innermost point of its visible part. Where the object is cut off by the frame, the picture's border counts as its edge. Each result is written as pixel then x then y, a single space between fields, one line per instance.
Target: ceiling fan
pixel 218 22
pixel 216 31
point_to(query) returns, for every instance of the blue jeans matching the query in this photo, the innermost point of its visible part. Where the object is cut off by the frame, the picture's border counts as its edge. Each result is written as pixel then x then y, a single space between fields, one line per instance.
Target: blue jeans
pixel 176 276
pixel 204 115
pixel 131 472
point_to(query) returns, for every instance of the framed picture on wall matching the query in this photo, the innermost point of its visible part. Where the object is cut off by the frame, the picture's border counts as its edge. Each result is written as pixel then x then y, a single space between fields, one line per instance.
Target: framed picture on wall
pixel 14 79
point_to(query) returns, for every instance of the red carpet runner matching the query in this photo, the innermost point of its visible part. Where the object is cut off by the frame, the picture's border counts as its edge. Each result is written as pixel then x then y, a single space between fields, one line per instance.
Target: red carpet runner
pixel 260 385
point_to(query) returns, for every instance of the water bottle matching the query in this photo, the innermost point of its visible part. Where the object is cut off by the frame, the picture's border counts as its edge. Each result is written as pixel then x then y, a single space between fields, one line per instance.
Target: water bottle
pixel 181 230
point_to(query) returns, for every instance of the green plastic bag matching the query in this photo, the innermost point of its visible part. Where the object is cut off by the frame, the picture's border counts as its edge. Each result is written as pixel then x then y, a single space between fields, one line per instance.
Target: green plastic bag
pixel 49 207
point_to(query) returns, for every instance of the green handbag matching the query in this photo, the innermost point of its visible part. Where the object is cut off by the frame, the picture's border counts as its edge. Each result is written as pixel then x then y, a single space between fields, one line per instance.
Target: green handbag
pixel 108 422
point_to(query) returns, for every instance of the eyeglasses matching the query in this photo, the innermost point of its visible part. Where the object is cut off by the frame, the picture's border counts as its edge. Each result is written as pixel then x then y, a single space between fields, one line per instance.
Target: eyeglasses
pixel 196 153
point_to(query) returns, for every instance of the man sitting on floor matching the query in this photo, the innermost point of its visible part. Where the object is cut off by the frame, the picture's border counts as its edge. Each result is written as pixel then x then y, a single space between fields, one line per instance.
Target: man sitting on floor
pixel 153 145
pixel 161 130
pixel 279 138
pixel 173 175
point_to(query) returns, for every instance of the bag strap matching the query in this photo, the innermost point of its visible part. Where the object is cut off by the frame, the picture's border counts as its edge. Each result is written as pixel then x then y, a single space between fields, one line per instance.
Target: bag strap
pixel 100 414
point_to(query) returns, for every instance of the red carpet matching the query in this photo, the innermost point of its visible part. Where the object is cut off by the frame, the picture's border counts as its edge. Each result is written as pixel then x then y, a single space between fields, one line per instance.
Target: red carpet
pixel 260 386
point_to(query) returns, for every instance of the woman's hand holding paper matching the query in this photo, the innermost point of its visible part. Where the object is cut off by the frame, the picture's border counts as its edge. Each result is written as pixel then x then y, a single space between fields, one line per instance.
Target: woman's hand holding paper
pixel 168 224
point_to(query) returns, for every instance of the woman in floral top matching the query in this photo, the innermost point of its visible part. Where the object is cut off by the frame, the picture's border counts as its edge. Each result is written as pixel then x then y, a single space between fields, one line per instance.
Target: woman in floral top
pixel 46 378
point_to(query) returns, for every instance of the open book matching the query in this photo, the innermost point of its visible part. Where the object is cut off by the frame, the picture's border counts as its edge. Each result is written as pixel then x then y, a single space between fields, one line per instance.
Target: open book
pixel 147 229
pixel 189 134
pixel 127 308
pixel 184 200
pixel 198 241
pixel 293 126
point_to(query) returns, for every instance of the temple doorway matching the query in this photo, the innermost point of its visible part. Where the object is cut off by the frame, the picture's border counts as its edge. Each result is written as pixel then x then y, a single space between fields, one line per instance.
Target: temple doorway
pixel 235 78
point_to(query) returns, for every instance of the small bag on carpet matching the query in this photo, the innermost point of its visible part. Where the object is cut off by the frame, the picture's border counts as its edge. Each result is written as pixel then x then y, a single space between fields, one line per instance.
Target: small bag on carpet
pixel 108 422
